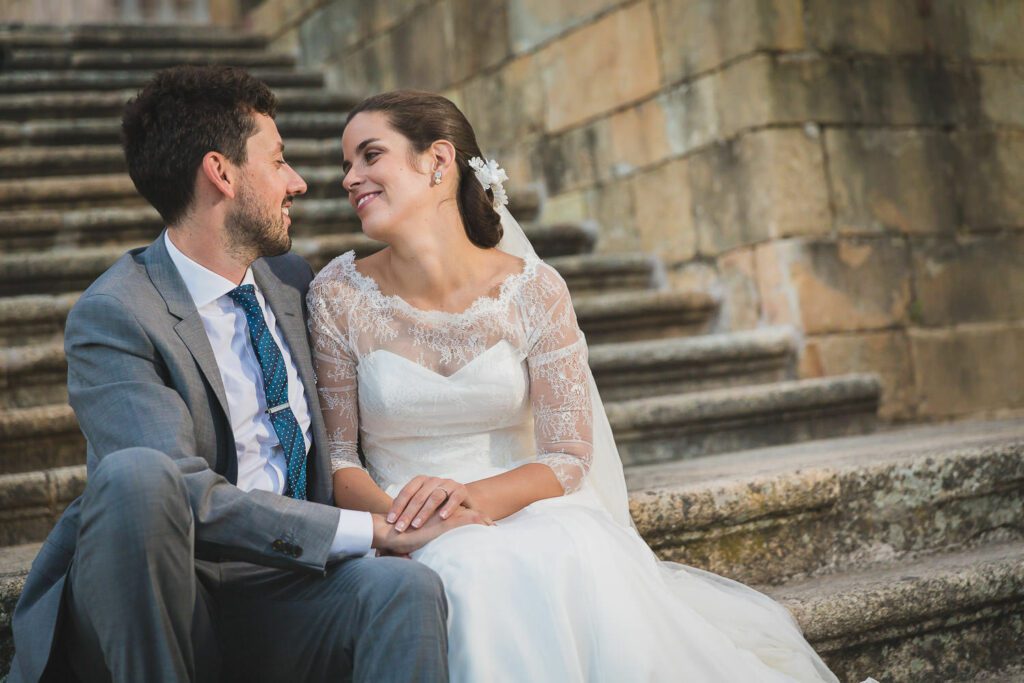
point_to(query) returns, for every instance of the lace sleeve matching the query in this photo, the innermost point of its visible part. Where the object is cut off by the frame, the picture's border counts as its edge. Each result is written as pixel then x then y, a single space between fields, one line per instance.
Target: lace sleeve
pixel 335 367
pixel 559 384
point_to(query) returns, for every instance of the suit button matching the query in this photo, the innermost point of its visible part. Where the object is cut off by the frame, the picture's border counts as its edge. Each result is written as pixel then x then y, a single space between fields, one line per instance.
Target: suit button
pixel 297 551
pixel 278 545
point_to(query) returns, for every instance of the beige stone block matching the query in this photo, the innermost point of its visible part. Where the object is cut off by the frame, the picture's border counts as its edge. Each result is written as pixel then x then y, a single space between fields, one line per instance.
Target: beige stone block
pixel 892 181
pixel 834 286
pixel 740 307
pixel 506 106
pixel 664 212
pixel 639 137
pixel 886 354
pixel 872 26
pixel 365 71
pixel 969 279
pixel 698 35
pixel 422 45
pixel 970 369
pixel 693 276
pixel 1002 93
pixel 692 114
pixel 532 22
pixel 829 89
pixel 765 185
pixel 576 158
pixel 480 37
pixel 600 67
pixel 990 173
pixel 570 207
pixel 612 205
pixel 993 29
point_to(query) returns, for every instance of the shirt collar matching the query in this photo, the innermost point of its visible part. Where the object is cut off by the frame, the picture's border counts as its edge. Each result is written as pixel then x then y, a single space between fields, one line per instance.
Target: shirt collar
pixel 204 285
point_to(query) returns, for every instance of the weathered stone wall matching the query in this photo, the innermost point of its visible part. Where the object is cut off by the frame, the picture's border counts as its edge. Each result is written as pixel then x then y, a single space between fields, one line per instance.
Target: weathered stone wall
pixel 77 12
pixel 854 169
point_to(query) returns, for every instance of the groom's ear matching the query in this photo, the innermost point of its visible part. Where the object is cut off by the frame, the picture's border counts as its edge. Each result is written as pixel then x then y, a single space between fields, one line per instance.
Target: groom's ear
pixel 220 173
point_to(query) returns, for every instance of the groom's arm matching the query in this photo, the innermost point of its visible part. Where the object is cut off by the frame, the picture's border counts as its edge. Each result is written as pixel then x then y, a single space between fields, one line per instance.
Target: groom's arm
pixel 118 389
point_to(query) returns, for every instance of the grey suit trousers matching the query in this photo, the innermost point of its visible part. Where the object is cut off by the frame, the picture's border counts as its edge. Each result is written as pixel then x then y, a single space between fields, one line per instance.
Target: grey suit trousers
pixel 142 608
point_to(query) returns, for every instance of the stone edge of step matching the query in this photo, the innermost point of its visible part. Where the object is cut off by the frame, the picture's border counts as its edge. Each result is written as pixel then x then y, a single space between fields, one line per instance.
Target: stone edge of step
pixel 840 610
pixel 802 395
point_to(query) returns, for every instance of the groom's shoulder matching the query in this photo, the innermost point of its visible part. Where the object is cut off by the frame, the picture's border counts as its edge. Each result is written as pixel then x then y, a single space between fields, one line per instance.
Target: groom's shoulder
pixel 125 280
pixel 291 269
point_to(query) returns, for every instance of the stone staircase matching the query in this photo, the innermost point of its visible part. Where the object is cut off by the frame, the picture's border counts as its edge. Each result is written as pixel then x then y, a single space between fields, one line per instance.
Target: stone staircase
pixel 899 552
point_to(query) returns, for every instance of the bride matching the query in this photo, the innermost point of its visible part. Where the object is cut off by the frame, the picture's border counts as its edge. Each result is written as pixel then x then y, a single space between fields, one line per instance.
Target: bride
pixel 454 358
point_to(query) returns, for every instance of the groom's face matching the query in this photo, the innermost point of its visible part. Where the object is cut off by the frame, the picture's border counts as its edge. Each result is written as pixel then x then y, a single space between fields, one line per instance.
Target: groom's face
pixel 258 222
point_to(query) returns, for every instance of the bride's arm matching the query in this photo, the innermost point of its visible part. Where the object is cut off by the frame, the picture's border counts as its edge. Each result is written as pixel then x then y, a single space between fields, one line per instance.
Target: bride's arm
pixel 337 386
pixel 562 410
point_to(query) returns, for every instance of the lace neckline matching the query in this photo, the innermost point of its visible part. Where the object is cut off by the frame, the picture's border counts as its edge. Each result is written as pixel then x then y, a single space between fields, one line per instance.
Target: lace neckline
pixel 508 286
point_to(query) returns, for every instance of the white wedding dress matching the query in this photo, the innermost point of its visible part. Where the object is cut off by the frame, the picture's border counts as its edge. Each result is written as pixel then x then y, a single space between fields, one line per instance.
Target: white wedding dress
pixel 560 591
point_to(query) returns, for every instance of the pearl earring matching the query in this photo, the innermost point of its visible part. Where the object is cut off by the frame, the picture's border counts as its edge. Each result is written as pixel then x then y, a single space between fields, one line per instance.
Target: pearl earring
pixel 437 177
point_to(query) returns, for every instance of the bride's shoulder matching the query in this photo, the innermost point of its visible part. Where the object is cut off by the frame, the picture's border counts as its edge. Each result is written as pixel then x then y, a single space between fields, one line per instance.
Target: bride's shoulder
pixel 543 281
pixel 335 279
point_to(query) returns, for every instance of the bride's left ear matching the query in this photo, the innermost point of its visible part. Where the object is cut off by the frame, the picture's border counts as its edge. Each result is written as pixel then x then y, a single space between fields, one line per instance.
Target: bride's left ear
pixel 442 161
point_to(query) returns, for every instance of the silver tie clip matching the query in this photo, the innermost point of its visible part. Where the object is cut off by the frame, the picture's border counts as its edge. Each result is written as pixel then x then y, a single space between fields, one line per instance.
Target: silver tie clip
pixel 276 409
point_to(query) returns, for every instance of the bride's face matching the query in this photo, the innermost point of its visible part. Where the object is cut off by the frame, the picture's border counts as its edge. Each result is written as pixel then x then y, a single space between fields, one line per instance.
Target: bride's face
pixel 388 183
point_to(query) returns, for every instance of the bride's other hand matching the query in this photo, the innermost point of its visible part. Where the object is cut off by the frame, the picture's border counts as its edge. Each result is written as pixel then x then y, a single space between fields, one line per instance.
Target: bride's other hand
pixel 422 497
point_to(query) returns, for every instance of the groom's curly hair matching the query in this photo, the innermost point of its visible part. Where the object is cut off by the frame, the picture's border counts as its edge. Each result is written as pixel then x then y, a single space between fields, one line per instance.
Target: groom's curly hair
pixel 182 114
pixel 424 118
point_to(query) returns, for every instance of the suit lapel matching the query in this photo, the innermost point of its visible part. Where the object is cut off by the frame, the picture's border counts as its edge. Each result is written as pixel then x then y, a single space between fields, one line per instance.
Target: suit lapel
pixel 189 328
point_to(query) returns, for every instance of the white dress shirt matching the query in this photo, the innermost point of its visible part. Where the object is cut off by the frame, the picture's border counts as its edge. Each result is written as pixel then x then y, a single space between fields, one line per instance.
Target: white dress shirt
pixel 261 460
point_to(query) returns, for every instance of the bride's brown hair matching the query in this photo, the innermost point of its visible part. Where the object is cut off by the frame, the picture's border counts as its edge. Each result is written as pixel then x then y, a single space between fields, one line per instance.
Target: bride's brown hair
pixel 424 118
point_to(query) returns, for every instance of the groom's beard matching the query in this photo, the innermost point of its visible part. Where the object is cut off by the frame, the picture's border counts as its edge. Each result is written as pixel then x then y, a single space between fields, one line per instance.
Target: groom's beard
pixel 254 231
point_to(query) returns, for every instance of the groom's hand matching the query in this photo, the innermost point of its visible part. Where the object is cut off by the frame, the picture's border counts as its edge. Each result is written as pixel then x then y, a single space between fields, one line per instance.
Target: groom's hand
pixel 390 541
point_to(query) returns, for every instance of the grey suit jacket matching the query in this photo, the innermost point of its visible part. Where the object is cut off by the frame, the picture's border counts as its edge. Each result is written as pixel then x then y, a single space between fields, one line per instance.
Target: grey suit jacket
pixel 141 372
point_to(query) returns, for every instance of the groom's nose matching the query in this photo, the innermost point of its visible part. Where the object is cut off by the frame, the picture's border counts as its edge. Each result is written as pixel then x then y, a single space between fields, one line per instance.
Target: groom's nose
pixel 296 185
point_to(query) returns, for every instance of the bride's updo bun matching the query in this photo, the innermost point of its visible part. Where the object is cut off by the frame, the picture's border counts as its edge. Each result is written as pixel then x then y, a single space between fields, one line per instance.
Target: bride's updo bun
pixel 424 118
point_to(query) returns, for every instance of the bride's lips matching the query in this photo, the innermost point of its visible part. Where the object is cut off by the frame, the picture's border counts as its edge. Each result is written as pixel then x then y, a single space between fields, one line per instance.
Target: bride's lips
pixel 362 200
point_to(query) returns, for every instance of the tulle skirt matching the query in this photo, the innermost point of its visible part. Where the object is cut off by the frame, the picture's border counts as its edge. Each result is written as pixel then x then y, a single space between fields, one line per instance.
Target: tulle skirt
pixel 560 592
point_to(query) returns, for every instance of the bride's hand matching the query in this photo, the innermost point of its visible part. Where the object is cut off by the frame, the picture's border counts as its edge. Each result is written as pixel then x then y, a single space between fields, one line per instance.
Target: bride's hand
pixel 423 496
pixel 389 541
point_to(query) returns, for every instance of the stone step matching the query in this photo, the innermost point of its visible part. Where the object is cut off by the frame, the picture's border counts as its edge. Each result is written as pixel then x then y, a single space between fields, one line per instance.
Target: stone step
pixel 950 617
pixel 43 229
pixel 89 104
pixel 108 129
pixel 67 269
pixel 136 36
pixel 31 502
pixel 783 513
pixel 634 316
pixel 632 370
pixel 39 438
pixel 95 59
pixel 33 375
pixel 677 427
pixel 34 318
pixel 28 81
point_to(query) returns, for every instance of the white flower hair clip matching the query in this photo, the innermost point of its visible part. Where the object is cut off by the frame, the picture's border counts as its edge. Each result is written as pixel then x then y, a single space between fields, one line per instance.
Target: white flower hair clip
pixel 491 176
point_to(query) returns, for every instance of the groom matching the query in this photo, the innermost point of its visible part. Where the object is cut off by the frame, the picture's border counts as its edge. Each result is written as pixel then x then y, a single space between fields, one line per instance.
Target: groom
pixel 205 546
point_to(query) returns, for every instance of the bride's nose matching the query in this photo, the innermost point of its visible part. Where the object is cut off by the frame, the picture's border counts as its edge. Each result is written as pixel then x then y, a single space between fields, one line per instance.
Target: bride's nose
pixel 350 181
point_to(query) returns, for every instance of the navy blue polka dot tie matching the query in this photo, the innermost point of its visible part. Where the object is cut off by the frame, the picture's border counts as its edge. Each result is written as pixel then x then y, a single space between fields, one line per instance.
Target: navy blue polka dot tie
pixel 275 385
